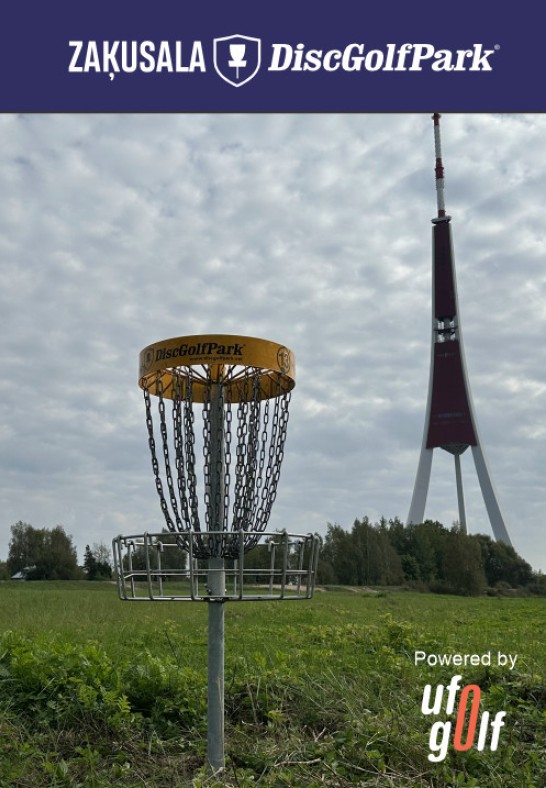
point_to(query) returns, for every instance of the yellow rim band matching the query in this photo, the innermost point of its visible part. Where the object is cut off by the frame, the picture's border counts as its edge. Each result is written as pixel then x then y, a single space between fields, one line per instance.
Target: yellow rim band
pixel 164 366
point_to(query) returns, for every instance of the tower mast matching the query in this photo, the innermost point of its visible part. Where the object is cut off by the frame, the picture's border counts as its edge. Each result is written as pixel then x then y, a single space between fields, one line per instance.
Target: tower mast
pixel 450 421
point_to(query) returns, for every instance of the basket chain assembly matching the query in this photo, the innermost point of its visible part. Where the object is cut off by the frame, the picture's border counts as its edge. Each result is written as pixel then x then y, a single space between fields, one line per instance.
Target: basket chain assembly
pixel 249 488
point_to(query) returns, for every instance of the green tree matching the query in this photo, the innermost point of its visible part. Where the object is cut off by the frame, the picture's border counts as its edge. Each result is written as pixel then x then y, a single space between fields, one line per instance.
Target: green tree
pixel 402 540
pixel 24 547
pixel 463 566
pixel 502 563
pixel 390 565
pixel 59 559
pixel 49 554
pixel 97 562
pixel 90 564
pixel 426 542
pixel 336 554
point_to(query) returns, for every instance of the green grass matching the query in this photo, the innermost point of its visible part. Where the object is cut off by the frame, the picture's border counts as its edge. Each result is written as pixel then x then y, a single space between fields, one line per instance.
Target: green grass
pixel 99 692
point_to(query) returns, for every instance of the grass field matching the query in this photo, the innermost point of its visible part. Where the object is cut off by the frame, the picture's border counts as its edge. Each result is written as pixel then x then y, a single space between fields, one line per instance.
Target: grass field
pixel 97 692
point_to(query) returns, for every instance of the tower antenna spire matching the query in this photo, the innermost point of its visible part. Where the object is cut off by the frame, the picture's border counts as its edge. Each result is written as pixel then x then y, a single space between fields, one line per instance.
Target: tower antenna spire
pixel 439 169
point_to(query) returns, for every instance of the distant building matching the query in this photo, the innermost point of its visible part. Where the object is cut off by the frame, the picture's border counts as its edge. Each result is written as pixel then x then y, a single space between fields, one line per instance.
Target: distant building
pixel 23 573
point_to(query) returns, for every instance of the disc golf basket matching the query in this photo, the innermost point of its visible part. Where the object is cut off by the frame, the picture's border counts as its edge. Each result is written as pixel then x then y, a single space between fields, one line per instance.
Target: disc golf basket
pixel 216 459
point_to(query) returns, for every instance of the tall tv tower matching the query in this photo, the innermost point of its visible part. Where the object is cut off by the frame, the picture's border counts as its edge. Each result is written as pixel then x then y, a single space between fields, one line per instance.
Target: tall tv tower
pixel 450 421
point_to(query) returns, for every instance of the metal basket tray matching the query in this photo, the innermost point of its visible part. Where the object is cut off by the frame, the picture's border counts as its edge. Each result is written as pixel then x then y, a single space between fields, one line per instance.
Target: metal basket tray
pixel 164 567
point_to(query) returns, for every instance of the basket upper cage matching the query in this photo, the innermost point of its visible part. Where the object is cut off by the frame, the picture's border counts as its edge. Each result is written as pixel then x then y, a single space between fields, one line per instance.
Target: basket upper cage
pixel 221 446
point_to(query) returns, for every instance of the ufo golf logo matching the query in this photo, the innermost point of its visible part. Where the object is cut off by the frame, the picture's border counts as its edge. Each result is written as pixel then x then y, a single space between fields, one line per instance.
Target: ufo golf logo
pixel 237 59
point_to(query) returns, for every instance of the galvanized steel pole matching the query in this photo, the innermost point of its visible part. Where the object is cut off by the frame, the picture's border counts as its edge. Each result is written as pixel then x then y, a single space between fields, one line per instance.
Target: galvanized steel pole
pixel 216 588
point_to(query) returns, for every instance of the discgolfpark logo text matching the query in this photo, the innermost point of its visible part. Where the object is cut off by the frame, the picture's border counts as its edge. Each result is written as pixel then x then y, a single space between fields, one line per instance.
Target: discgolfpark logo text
pixel 237 59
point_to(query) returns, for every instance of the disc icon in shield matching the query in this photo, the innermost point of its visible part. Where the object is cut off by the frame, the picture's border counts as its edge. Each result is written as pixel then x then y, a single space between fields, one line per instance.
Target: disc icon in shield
pixel 237 59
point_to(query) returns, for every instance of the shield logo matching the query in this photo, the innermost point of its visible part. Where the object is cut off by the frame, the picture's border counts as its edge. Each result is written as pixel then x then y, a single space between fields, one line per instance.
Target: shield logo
pixel 237 58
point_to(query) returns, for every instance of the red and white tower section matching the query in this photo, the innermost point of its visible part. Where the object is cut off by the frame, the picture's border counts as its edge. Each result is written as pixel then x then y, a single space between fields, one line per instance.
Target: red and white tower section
pixel 450 421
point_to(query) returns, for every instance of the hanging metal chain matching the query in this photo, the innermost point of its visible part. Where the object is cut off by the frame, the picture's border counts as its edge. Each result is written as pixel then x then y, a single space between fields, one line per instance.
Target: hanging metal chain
pixel 207 440
pixel 166 453
pixel 178 442
pixel 189 433
pixel 189 442
pixel 228 419
pixel 252 453
pixel 242 446
pixel 155 463
pixel 185 516
pixel 266 502
pixel 240 518
pixel 277 439
pixel 214 459
pixel 276 458
pixel 261 434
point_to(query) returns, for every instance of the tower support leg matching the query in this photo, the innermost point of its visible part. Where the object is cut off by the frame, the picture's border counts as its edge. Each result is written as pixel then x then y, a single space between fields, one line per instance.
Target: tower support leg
pixel 460 493
pixel 490 497
pixel 420 491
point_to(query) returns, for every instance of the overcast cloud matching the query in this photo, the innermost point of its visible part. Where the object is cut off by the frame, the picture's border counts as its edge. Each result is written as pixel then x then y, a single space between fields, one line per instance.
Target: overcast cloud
pixel 313 231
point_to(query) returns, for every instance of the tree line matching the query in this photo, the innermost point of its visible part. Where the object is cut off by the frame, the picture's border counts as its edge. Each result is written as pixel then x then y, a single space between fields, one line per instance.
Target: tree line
pixel 50 554
pixel 428 556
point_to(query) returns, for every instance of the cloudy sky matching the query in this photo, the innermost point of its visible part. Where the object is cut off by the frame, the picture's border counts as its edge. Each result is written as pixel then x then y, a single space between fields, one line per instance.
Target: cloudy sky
pixel 313 231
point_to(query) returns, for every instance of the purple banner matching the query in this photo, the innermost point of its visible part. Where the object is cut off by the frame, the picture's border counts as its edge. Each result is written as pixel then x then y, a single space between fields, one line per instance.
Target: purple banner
pixel 277 57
